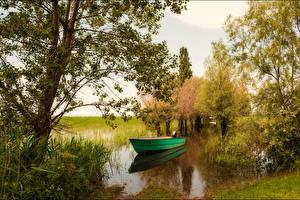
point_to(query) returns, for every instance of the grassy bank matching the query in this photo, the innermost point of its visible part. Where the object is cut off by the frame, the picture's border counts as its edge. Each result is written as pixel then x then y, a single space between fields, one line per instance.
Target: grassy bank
pixel 281 187
pixel 155 192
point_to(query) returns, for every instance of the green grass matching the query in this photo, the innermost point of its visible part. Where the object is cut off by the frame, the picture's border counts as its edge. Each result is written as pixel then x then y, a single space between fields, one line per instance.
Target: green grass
pixel 96 128
pixel 81 123
pixel 155 192
pixel 282 187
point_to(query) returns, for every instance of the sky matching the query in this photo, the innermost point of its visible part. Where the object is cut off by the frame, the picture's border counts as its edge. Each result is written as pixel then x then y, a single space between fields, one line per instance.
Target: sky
pixel 195 29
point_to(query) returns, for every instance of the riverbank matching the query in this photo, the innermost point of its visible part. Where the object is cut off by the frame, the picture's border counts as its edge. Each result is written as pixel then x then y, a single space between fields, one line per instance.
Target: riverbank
pixel 280 187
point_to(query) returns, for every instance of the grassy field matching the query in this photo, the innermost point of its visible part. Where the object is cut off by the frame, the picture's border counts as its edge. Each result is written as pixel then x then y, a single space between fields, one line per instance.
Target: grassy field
pixel 281 187
pixel 81 123
pixel 96 128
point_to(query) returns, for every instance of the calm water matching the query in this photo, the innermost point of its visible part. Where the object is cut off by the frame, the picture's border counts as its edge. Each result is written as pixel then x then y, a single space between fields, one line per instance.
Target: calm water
pixel 187 172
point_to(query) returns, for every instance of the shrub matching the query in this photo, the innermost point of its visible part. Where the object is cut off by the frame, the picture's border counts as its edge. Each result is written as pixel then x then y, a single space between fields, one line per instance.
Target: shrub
pixel 242 146
pixel 282 135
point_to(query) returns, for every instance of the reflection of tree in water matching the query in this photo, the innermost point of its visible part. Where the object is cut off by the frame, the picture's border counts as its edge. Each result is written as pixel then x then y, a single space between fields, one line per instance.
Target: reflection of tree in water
pixel 188 161
pixel 166 175
pixel 187 173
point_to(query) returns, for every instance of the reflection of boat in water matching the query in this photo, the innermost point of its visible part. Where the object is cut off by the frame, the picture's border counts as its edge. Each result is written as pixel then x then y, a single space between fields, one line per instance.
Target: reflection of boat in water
pixel 149 160
pixel 156 143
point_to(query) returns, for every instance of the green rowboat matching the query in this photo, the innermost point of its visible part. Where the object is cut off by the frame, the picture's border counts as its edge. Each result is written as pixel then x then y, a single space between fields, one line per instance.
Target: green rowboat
pixel 147 161
pixel 156 143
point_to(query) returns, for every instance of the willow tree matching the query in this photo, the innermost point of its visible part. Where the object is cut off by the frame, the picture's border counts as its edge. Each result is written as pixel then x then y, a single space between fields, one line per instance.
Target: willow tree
pixel 222 96
pixel 52 49
pixel 266 45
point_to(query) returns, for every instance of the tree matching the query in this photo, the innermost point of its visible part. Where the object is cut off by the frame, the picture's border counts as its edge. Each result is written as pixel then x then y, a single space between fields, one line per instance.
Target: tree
pixel 64 46
pixel 222 96
pixel 185 71
pixel 155 112
pixel 266 45
pixel 186 97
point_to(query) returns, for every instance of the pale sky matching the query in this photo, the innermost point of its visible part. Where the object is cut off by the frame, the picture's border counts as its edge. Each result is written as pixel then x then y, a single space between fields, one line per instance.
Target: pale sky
pixel 195 29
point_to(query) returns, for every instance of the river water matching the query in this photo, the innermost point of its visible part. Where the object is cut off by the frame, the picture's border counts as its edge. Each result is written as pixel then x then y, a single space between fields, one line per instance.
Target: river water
pixel 186 170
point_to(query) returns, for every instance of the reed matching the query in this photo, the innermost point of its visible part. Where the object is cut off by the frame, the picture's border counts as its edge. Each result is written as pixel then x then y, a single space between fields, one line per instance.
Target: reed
pixel 72 169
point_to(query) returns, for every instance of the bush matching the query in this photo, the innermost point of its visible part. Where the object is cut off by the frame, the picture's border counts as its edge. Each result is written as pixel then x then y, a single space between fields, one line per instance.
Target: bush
pixel 242 146
pixel 282 134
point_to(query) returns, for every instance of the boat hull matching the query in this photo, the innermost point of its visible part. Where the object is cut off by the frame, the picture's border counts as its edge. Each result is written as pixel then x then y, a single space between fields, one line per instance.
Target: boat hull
pixel 156 144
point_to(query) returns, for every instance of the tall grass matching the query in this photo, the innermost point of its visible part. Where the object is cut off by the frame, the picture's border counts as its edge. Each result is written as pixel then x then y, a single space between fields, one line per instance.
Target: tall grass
pixel 72 169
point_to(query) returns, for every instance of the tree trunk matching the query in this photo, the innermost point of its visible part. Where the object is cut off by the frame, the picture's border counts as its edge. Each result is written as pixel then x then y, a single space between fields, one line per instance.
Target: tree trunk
pixel 157 126
pixel 180 126
pixel 192 125
pixel 198 124
pixel 34 155
pixel 57 61
pixel 224 126
pixel 168 122
pixel 185 127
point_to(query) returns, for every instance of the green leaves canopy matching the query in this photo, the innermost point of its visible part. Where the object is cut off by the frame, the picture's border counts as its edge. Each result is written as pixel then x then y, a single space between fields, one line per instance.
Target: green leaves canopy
pixel 50 50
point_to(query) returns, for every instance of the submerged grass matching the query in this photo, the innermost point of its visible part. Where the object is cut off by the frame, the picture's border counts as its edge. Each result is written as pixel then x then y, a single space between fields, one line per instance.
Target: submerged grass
pixel 281 187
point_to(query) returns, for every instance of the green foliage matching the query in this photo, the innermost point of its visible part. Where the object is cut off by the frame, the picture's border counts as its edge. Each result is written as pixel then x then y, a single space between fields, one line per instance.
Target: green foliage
pixel 242 146
pixel 264 44
pixel 282 187
pixel 185 71
pixel 222 95
pixel 283 142
pixel 72 169
pixel 60 47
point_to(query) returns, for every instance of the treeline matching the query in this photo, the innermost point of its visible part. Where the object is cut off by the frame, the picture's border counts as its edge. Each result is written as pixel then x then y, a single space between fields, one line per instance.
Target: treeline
pixel 252 84
pixel 218 98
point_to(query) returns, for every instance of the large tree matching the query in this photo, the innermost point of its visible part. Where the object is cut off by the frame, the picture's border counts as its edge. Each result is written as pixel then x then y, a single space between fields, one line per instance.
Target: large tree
pixel 185 72
pixel 222 96
pixel 266 45
pixel 52 49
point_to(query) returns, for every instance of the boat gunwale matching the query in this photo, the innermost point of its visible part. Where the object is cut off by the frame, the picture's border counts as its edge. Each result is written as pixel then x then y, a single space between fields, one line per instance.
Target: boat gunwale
pixel 156 138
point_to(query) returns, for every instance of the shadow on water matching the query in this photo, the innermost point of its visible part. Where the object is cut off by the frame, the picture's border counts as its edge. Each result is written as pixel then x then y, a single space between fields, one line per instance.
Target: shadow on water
pixel 145 161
